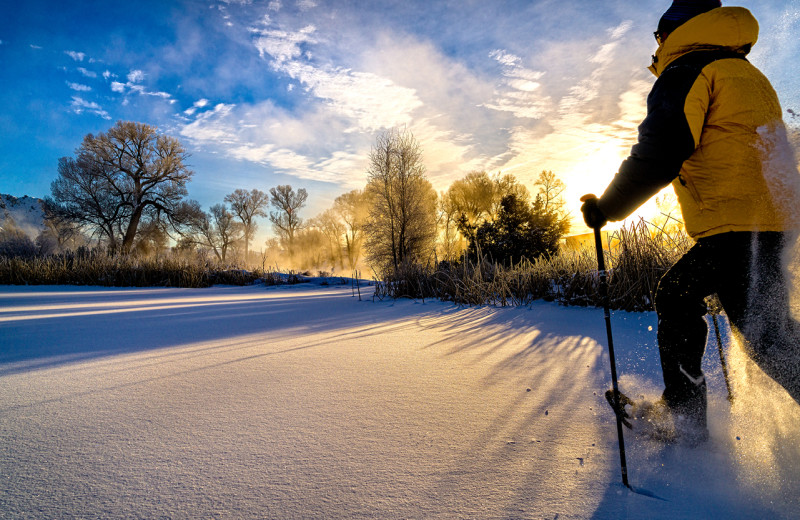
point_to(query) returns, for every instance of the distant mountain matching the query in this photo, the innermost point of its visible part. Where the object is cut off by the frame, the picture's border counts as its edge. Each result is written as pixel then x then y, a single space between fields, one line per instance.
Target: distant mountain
pixel 24 213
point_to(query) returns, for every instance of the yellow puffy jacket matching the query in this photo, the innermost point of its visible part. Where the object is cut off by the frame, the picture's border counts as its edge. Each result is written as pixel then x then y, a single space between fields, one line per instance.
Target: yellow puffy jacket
pixel 713 129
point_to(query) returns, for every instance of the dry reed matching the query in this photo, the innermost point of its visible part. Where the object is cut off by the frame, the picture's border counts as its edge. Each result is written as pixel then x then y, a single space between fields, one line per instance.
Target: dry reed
pixel 640 255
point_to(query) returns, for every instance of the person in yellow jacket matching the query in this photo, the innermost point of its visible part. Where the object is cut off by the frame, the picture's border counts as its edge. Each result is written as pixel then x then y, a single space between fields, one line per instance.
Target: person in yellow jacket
pixel 714 130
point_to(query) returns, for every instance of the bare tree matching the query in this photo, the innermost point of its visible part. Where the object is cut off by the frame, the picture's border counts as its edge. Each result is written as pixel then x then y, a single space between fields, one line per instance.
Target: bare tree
pixel 121 177
pixel 218 231
pixel 332 229
pixel 353 209
pixel 247 205
pixel 402 221
pixel 551 190
pixel 60 233
pixel 285 220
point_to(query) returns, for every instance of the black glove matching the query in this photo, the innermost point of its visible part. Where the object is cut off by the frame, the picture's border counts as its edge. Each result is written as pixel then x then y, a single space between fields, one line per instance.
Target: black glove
pixel 592 215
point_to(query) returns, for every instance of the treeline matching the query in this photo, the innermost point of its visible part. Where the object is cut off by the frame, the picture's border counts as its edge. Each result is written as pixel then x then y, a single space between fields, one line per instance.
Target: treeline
pixel 486 239
pixel 126 191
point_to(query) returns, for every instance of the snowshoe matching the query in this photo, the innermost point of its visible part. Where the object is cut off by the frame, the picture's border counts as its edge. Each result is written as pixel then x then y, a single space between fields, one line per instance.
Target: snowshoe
pixel 649 419
pixel 657 421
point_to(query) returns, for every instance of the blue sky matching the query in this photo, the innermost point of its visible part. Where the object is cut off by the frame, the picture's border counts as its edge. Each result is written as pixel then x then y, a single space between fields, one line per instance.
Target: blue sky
pixel 263 93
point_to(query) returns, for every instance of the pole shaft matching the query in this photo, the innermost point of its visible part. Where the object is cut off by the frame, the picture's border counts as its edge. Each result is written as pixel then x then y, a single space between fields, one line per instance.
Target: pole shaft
pixel 601 267
pixel 722 357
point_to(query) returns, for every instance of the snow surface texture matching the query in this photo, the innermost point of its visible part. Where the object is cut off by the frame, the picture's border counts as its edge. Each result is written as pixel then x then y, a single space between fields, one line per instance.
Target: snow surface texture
pixel 304 402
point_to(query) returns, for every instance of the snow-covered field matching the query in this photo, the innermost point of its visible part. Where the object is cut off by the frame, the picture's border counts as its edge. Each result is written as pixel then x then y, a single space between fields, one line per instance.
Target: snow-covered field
pixel 303 402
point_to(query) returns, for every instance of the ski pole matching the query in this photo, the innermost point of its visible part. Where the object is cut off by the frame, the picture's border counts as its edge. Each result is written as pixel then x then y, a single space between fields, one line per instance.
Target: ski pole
pixel 714 307
pixel 601 268
pixel 722 358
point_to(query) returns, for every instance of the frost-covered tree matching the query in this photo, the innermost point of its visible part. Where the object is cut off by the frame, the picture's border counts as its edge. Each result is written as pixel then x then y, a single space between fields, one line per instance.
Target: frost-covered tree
pixel 402 220
pixel 352 208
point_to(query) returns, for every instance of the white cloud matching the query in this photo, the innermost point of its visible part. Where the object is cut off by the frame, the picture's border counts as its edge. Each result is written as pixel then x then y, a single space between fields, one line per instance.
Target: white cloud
pixel 87 73
pixel 369 100
pixel 77 56
pixel 107 74
pixel 283 46
pixel 615 33
pixel 79 87
pixel 35 47
pixel 135 76
pixel 275 5
pixel 132 85
pixel 519 93
pixel 212 127
pixel 79 105
pixel 305 5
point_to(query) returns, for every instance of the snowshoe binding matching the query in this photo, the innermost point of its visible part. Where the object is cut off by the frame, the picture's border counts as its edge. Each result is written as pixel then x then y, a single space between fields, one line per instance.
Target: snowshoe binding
pixel 649 419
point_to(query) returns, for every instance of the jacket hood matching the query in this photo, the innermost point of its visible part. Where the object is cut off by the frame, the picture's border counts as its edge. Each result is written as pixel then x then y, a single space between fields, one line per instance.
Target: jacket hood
pixel 730 28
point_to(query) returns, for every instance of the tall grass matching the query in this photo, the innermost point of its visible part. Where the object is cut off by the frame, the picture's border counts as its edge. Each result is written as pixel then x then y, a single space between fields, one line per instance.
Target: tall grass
pixel 94 267
pixel 640 254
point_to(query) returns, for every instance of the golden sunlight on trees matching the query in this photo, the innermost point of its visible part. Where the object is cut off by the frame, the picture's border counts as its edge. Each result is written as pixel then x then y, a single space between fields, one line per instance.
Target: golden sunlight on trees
pixel 520 228
pixel 401 226
pixel 472 201
pixel 286 221
pixel 121 178
pixel 352 208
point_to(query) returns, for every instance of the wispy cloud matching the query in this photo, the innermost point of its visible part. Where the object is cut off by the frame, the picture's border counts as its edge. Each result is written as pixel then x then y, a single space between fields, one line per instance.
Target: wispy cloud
pixel 79 87
pixel 520 91
pixel 34 47
pixel 77 56
pixel 80 105
pixel 367 99
pixel 135 77
pixel 87 73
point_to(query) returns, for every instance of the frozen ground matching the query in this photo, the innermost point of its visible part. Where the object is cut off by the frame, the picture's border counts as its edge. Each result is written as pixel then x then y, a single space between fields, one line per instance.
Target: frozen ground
pixel 304 402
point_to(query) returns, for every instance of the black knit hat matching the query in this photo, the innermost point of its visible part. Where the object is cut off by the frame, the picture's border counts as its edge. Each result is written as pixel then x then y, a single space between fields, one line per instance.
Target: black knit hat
pixel 682 10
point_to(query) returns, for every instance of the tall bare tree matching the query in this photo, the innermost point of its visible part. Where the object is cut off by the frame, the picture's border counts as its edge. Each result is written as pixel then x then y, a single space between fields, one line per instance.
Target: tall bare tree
pixel 247 205
pixel 286 220
pixel 121 177
pixel 402 221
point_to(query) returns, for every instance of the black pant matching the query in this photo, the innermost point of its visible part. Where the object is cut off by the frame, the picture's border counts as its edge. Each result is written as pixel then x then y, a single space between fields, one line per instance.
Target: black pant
pixel 745 271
